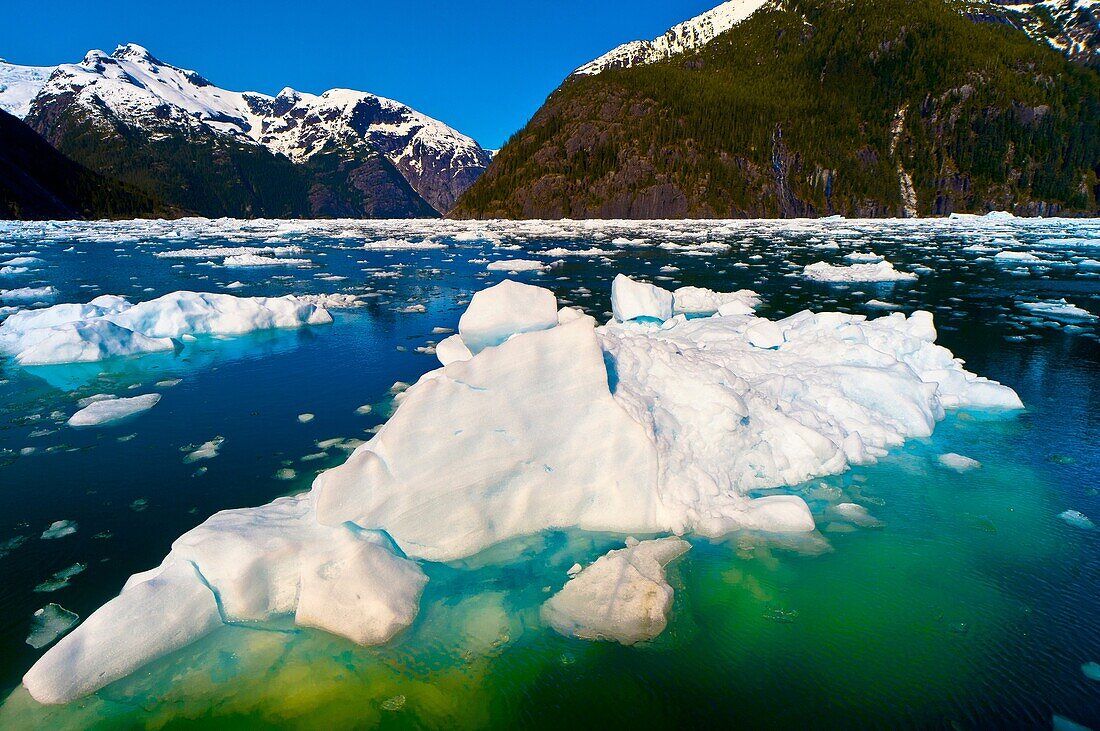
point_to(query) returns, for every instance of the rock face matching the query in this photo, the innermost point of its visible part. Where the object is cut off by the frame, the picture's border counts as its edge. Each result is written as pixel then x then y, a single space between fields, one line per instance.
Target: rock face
pixel 38 182
pixel 782 110
pixel 225 153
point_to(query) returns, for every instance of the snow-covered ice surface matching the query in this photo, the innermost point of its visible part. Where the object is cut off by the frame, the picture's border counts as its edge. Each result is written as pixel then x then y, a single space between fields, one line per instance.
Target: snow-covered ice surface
pixel 902 546
pixel 109 411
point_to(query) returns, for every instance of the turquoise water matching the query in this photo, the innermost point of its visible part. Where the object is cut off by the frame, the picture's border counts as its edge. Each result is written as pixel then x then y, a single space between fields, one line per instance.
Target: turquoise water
pixel 973 606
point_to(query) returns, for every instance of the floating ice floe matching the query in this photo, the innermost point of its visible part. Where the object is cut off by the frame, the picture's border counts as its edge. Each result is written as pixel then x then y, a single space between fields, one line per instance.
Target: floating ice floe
pixel 49 623
pixel 109 411
pixel 1058 310
pixel 881 271
pixel 110 326
pixel 517 265
pixel 1091 670
pixel 623 596
pixel 222 252
pixel 258 260
pixel 59 529
pixel 28 294
pixel 544 421
pixel 958 462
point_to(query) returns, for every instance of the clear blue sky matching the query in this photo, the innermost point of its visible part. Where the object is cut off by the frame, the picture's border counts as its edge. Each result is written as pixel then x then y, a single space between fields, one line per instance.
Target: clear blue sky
pixel 482 67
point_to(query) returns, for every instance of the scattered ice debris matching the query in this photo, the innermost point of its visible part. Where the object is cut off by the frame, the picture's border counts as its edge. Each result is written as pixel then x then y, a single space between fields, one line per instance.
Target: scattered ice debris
pixel 60 579
pixel 1077 519
pixel 1058 310
pixel 109 411
pixel 1016 257
pixel 635 427
pixel 517 265
pixel 49 623
pixel 59 529
pixel 109 326
pixel 958 462
pixel 623 596
pixel 881 271
pixel 631 300
pixel 305 418
pixel 207 450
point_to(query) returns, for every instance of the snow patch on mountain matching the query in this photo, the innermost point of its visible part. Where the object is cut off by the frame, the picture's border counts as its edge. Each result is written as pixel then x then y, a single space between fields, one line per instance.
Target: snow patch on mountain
pixel 19 85
pixel 686 36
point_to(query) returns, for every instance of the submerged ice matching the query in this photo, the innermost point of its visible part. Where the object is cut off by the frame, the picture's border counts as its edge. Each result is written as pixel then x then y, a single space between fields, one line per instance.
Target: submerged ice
pixel 540 419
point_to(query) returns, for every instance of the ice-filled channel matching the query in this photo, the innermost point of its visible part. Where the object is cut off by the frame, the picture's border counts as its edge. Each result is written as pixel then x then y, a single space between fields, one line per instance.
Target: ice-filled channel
pixel 672 475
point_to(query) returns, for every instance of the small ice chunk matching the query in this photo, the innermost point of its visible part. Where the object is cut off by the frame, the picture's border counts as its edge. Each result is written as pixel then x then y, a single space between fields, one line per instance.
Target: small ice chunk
pixel 517 265
pixel 1077 519
pixel 856 515
pixel 207 450
pixel 881 271
pixel 631 299
pixel 49 623
pixel 623 596
pixel 698 300
pixel 59 529
pixel 305 418
pixel 1091 670
pixel 508 308
pixel 109 411
pixel 452 349
pixel 764 334
pixel 958 462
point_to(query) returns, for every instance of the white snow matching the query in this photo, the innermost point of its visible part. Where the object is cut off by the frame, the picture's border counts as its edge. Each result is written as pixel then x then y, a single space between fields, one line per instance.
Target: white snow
pixel 110 326
pixel 881 271
pixel 630 428
pixel 623 596
pixel 19 85
pixel 686 36
pixel 102 413
pixel 631 300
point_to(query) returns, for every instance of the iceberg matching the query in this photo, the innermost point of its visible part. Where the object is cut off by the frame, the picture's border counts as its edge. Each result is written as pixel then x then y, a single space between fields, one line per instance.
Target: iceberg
pixel 110 326
pixel 622 597
pixel 698 300
pixel 542 420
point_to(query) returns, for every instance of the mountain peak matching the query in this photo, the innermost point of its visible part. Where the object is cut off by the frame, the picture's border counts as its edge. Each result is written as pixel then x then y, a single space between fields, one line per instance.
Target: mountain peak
pixel 134 52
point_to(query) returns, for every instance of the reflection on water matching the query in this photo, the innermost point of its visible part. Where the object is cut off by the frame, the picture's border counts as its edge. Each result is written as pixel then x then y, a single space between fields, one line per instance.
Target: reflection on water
pixel 969 604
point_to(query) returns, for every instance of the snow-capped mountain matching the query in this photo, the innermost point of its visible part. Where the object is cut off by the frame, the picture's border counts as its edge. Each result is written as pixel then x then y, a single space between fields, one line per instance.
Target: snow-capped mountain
pixel 19 85
pixel 1070 26
pixel 132 88
pixel 686 36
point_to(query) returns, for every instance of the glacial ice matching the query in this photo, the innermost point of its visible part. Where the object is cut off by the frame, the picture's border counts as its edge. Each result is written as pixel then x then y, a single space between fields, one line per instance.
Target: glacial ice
pixel 109 326
pixel 623 596
pixel 660 425
pixel 109 411
pixel 28 294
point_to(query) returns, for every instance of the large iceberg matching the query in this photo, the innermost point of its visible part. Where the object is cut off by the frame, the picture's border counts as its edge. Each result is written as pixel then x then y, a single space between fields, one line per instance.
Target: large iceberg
pixel 110 326
pixel 541 420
